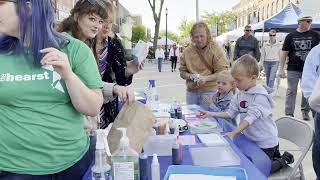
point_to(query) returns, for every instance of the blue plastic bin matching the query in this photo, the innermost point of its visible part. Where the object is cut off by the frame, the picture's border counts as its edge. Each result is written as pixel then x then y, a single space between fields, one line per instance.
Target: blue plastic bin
pixel 239 173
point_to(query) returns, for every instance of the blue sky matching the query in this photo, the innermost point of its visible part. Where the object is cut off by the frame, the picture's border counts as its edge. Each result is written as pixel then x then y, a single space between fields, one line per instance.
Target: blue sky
pixel 177 10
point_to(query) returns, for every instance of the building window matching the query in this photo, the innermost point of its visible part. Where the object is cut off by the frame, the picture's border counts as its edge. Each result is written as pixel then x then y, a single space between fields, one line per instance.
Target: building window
pixel 282 5
pixel 262 14
pixel 272 9
pixel 267 12
pixel 277 6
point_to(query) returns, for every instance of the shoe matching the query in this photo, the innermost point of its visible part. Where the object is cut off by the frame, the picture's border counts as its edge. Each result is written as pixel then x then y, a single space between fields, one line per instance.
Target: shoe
pixel 172 70
pixel 288 157
pixel 291 115
pixel 305 115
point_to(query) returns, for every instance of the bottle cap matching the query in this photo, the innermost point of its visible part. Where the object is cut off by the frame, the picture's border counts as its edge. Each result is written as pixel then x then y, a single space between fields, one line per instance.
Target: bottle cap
pixel 124 141
pixel 155 159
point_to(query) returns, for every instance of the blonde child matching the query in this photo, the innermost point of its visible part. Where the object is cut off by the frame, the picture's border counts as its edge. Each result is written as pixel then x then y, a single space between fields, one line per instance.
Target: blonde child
pixel 254 104
pixel 220 100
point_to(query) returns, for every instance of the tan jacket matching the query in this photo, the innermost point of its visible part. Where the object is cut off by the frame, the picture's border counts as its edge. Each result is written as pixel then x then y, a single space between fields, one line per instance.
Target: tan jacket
pixel 191 63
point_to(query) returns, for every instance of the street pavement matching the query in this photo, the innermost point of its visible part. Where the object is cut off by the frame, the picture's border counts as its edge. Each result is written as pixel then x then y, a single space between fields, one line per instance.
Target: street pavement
pixel 171 87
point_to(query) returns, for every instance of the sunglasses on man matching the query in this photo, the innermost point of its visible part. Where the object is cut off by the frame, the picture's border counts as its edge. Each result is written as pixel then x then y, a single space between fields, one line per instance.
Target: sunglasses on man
pixel 272 35
pixel 248 30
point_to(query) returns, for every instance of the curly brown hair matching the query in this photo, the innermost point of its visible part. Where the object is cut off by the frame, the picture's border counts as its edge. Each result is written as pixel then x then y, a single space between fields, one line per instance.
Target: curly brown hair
pixel 81 8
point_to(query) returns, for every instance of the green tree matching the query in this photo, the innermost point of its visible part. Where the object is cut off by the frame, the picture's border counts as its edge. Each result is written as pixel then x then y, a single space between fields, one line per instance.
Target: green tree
pixel 185 28
pixel 154 4
pixel 138 33
pixel 221 20
pixel 171 35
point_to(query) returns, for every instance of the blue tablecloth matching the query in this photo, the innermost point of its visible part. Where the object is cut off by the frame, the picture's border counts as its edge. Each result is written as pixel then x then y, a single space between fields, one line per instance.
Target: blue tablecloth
pixel 252 158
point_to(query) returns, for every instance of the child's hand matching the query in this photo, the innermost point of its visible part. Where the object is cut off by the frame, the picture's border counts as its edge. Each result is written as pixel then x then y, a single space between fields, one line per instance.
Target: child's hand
pixel 204 114
pixel 207 99
pixel 231 135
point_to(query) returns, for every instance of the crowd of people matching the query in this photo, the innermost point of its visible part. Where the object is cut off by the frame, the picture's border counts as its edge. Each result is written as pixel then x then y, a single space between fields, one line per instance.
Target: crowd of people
pixel 204 67
pixel 58 85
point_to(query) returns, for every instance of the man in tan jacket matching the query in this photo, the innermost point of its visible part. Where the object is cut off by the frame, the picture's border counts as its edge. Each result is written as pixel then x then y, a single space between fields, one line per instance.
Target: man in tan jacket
pixel 200 63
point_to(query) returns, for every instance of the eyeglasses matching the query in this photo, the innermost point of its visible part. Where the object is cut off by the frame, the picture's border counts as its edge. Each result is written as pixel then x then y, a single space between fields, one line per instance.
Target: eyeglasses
pixel 272 35
pixel 307 21
pixel 248 30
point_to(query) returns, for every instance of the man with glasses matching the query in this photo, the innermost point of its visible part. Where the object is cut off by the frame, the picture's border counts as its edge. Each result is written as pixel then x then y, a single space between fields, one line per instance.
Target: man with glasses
pixel 296 47
pixel 247 44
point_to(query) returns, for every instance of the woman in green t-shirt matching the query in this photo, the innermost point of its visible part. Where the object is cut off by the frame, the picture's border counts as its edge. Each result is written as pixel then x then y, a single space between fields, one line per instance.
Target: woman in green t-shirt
pixel 47 82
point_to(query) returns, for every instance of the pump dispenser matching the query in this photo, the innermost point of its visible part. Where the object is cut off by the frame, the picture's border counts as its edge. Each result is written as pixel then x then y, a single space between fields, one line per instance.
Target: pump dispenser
pixel 125 160
pixel 100 169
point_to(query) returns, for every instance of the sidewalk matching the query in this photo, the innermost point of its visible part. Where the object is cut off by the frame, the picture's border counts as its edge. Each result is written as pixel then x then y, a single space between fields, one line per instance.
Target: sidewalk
pixel 170 86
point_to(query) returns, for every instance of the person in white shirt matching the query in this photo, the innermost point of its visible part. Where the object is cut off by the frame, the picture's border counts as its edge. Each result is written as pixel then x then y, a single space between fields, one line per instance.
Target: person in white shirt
pixel 159 57
pixel 310 85
pixel 174 56
pixel 270 55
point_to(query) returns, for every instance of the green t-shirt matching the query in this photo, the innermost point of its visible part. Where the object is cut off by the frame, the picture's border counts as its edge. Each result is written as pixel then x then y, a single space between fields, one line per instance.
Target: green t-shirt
pixel 40 130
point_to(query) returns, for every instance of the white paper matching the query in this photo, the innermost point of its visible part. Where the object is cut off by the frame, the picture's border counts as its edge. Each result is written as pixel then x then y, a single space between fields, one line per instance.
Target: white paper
pixel 140 51
pixel 211 139
pixel 199 176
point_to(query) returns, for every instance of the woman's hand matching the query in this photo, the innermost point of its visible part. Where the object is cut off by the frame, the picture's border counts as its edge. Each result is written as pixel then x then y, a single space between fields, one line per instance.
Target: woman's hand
pixel 59 61
pixel 133 68
pixel 124 93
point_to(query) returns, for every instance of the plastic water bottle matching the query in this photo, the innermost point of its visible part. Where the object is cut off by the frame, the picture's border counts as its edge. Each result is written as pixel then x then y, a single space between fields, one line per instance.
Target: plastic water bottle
pixel 155 168
pixel 176 153
pixel 143 164
pixel 153 96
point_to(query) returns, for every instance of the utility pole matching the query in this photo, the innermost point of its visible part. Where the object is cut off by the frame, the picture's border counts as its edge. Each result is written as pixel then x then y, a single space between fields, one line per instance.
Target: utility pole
pixel 197 10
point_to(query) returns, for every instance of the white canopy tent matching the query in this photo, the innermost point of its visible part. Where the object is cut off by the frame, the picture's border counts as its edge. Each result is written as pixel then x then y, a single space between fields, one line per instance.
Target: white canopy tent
pixel 162 41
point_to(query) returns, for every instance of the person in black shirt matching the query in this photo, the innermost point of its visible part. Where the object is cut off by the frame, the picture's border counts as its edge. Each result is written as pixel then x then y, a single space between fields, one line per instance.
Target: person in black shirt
pixel 296 46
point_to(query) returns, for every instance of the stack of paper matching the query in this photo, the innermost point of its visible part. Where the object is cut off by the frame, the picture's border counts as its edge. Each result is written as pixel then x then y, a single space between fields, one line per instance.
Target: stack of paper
pixel 211 139
pixel 199 176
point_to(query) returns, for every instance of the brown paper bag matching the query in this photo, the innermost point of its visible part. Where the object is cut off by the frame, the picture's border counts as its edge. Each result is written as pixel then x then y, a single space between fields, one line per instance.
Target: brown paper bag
pixel 138 120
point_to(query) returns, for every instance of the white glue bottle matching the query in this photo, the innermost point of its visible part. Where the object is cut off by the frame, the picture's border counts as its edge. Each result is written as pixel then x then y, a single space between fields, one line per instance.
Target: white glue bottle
pixel 155 168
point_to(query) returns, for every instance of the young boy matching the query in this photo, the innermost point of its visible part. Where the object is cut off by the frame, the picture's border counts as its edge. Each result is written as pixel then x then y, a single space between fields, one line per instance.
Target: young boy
pixel 254 104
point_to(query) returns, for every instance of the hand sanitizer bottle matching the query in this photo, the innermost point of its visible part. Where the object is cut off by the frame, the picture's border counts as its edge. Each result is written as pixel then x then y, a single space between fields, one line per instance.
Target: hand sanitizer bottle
pixel 125 160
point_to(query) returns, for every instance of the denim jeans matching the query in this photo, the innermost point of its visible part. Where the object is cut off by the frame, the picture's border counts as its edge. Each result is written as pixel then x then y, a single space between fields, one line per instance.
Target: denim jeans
pixel 270 68
pixel 75 172
pixel 160 64
pixel 293 80
pixel 316 145
pixel 197 98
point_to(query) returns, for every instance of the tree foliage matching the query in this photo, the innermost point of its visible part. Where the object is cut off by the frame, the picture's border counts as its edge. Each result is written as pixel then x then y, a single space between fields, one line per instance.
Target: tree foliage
pixel 138 33
pixel 185 28
pixel 220 20
pixel 157 18
pixel 171 35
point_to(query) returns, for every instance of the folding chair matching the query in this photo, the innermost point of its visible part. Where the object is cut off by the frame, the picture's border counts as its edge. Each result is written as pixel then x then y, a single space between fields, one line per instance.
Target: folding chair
pixel 299 133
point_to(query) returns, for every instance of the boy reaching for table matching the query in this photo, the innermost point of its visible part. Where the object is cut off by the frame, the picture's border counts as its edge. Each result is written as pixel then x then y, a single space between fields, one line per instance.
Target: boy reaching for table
pixel 254 104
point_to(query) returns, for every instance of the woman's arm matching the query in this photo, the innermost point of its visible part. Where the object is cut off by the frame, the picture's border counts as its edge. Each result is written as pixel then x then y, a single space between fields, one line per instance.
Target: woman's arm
pixel 85 100
pixel 314 99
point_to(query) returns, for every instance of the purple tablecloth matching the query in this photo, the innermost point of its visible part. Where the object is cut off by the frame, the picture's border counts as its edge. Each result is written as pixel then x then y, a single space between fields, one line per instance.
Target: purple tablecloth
pixel 252 158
